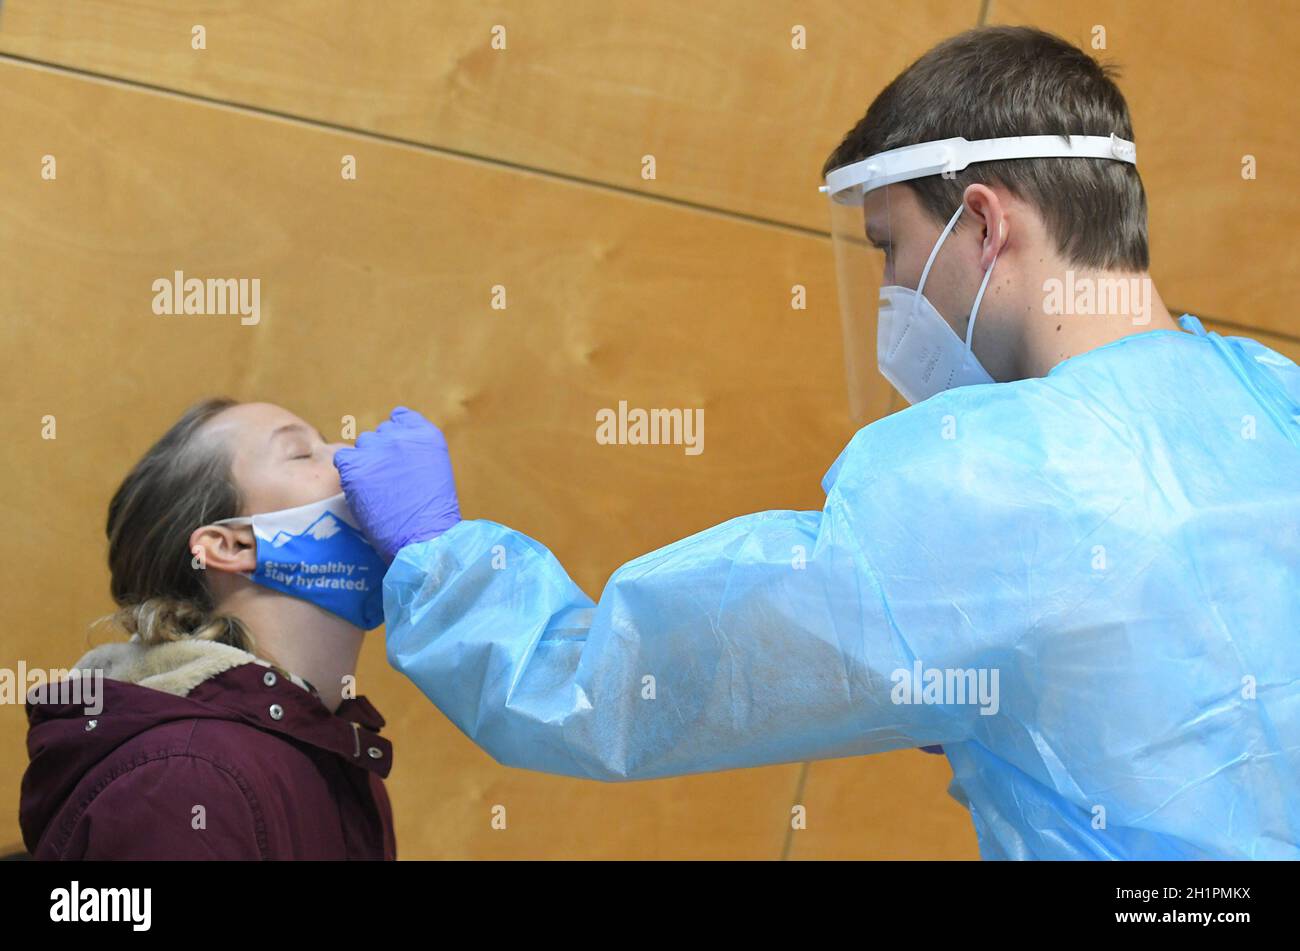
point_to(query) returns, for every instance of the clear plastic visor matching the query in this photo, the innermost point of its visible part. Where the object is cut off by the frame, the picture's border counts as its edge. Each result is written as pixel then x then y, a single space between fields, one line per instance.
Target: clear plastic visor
pixel 861 236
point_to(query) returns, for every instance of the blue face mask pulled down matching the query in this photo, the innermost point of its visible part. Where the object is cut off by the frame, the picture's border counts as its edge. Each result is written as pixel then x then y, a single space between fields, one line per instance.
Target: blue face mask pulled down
pixel 316 552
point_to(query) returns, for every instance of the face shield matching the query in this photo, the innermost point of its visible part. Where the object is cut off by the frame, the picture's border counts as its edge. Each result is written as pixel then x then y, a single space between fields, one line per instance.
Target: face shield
pixel 898 348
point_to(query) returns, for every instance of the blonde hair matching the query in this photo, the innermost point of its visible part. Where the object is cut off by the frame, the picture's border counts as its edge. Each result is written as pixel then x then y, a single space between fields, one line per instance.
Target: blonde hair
pixel 161 619
pixel 179 485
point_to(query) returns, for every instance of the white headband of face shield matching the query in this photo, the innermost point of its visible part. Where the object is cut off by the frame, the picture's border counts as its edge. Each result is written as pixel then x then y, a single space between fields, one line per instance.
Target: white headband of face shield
pixel 917 349
pixel 848 183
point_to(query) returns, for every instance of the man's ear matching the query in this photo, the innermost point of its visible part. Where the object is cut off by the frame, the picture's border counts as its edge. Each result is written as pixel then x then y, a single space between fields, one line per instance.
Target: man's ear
pixel 989 209
pixel 227 548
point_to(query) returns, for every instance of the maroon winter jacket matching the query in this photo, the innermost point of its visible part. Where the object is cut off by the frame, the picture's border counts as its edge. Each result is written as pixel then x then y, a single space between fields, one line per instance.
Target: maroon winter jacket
pixel 203 751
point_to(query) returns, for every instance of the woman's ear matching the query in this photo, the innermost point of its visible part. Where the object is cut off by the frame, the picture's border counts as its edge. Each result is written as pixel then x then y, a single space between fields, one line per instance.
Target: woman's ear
pixel 226 548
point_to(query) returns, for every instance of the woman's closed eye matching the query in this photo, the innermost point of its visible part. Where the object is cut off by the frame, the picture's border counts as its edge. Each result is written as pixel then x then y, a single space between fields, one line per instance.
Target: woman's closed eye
pixel 296 439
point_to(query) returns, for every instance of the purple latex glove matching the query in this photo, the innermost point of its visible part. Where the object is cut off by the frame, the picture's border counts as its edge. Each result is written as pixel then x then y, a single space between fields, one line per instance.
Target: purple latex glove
pixel 398 482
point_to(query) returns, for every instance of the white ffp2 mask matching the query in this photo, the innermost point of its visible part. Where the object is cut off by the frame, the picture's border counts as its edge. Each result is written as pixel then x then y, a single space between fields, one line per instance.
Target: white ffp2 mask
pixel 916 349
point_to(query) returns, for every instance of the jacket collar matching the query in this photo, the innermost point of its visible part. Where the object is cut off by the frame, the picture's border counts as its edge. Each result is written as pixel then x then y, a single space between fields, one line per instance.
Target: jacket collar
pixel 243 686
pixel 262 696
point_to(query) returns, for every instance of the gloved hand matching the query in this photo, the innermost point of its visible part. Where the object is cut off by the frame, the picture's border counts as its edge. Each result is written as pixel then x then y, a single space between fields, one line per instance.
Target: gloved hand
pixel 398 482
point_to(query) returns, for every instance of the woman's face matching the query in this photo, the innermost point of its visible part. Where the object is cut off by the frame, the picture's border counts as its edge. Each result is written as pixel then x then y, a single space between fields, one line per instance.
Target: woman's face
pixel 277 460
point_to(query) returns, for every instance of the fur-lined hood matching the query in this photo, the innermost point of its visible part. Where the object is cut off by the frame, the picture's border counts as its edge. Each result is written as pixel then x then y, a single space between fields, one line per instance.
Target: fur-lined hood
pixel 176 667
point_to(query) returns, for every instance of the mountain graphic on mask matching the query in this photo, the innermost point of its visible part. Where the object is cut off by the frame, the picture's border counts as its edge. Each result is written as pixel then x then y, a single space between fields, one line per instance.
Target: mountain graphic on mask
pixel 327 526
pixel 324 528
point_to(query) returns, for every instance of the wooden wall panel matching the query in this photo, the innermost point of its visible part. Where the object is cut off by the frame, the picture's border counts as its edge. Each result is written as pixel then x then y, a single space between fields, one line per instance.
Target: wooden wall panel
pixel 735 117
pixel 846 799
pixel 1208 82
pixel 376 292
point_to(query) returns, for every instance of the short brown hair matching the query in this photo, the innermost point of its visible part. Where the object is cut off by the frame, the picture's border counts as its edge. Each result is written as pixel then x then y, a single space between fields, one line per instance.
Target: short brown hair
pixel 1003 81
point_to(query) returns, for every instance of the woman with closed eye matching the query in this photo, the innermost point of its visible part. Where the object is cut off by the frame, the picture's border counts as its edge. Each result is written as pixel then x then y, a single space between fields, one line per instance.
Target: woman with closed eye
pixel 226 726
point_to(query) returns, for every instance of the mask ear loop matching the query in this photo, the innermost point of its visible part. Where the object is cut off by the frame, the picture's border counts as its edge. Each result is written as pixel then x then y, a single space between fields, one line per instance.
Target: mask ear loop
pixel 241 521
pixel 934 252
pixel 975 308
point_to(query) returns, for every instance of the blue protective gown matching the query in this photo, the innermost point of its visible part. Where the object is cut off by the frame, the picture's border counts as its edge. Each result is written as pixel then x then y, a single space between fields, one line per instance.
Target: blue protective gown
pixel 1118 543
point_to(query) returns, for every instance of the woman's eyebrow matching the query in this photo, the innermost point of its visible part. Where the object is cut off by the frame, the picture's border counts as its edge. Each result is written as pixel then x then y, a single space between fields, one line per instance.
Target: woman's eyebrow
pixel 290 427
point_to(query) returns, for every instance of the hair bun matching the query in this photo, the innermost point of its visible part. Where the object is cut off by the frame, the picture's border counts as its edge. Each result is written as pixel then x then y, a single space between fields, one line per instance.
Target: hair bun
pixel 159 620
